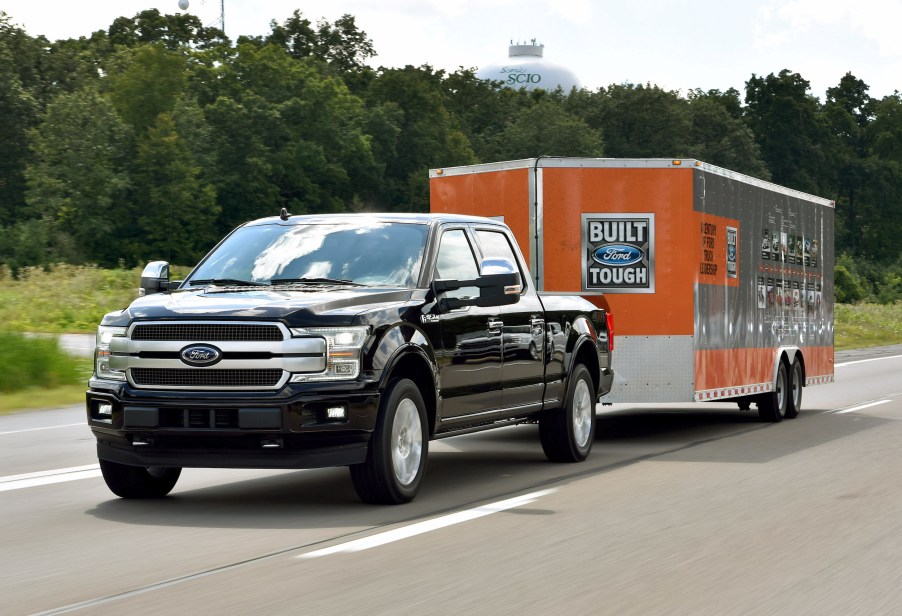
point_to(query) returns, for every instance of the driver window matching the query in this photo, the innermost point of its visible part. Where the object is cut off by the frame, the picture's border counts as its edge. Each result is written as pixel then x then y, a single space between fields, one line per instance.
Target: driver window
pixel 456 262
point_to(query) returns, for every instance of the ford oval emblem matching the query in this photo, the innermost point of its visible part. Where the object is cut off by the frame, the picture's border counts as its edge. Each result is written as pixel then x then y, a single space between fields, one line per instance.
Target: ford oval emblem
pixel 200 355
pixel 617 254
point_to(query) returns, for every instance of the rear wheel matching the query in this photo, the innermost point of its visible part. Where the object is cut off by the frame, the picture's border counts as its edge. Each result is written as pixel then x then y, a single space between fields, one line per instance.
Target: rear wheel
pixel 567 433
pixel 796 382
pixel 772 405
pixel 139 481
pixel 396 458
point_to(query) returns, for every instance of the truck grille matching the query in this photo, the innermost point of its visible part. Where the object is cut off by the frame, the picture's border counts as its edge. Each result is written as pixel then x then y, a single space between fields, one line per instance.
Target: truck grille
pixel 207 332
pixel 206 378
pixel 252 355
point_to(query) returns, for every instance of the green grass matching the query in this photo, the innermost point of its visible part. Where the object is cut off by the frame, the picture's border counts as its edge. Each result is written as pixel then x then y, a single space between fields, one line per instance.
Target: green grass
pixel 857 326
pixel 36 373
pixel 67 299
pixel 43 398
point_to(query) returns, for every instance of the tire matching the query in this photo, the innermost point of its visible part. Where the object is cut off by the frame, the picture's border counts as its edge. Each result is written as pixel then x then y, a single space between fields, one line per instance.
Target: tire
pixel 396 458
pixel 139 481
pixel 567 433
pixel 744 404
pixel 796 382
pixel 772 406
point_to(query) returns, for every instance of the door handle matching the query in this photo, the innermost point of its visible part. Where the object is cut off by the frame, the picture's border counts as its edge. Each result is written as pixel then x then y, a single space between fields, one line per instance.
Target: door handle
pixel 493 324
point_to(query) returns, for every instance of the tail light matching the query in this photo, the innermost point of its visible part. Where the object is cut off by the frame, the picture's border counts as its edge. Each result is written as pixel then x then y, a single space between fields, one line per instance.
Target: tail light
pixel 609 318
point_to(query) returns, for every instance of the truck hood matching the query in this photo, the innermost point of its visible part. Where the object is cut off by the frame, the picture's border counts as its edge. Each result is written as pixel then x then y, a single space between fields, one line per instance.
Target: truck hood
pixel 329 306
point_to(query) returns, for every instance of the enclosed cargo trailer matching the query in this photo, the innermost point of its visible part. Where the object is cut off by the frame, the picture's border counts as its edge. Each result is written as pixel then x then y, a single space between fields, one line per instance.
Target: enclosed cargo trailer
pixel 721 285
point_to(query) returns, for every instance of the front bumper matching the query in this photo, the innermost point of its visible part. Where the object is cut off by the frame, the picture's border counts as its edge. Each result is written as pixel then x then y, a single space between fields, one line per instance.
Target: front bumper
pixel 231 431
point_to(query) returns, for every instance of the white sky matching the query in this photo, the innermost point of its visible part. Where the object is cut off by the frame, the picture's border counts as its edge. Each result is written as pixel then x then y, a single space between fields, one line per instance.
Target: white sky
pixel 674 44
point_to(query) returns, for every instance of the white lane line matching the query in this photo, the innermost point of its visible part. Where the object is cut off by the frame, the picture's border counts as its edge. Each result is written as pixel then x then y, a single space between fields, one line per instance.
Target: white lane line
pixel 861 361
pixel 43 478
pixel 428 525
pixel 861 406
pixel 82 423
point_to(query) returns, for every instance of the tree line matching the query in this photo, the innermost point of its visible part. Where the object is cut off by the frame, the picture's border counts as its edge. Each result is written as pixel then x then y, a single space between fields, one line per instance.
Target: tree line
pixel 153 138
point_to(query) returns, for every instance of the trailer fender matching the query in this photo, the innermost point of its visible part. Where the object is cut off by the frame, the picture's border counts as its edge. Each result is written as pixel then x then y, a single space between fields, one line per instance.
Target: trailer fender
pixel 788 354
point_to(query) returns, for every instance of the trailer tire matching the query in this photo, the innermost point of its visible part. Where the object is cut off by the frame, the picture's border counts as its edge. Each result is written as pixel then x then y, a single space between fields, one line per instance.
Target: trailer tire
pixel 139 481
pixel 396 458
pixel 773 405
pixel 567 433
pixel 796 382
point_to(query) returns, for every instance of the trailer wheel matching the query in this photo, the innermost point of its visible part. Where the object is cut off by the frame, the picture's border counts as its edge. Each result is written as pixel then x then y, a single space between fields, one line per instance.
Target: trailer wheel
pixel 139 481
pixel 796 382
pixel 396 458
pixel 772 406
pixel 567 433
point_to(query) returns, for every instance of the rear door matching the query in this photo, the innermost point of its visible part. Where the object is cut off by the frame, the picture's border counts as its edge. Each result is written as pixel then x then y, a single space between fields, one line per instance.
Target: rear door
pixel 523 339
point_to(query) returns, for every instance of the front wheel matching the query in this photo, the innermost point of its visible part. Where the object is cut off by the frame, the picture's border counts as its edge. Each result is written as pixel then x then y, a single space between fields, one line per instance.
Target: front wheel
pixel 567 433
pixel 139 481
pixel 396 458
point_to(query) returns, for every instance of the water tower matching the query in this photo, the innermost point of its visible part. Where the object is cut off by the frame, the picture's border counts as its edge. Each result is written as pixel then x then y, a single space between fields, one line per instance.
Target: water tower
pixel 526 67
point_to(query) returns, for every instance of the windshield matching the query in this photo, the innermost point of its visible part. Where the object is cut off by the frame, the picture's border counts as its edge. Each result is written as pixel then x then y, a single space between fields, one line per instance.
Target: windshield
pixel 358 252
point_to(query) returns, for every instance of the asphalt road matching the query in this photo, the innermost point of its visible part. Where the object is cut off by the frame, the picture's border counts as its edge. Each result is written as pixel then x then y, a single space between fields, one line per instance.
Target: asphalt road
pixel 693 509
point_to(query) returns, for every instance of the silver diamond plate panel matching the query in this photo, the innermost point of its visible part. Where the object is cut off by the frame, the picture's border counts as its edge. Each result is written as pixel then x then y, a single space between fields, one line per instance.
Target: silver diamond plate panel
pixel 653 369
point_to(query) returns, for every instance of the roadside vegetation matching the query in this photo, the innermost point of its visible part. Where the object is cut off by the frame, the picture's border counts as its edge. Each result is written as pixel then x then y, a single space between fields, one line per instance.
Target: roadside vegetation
pixel 36 373
pixel 866 325
pixel 63 298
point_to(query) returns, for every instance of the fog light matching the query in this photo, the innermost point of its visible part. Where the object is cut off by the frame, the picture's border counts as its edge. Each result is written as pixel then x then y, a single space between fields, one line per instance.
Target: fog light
pixel 105 410
pixel 336 412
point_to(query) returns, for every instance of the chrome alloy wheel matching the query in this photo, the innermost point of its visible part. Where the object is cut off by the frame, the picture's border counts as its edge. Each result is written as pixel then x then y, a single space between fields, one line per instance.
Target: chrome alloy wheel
pixel 406 442
pixel 582 413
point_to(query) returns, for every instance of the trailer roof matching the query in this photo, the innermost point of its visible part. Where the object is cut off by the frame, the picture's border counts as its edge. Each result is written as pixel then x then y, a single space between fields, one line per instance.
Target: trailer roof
pixel 564 162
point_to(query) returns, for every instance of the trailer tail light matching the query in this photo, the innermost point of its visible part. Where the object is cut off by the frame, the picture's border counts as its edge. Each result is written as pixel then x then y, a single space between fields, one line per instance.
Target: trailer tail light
pixel 609 319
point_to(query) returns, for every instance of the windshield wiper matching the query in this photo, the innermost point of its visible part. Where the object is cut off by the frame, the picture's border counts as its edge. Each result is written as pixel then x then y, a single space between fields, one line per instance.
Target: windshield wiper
pixel 276 281
pixel 234 282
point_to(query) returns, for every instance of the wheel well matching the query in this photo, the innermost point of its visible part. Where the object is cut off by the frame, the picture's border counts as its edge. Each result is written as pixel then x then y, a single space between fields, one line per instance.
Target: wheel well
pixel 412 366
pixel 587 357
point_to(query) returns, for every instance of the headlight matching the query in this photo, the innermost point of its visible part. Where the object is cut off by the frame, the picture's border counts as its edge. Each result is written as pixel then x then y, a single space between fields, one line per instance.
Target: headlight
pixel 102 353
pixel 343 346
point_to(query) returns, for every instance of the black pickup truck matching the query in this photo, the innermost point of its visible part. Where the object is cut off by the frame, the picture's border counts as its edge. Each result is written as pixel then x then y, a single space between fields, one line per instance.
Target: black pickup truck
pixel 342 340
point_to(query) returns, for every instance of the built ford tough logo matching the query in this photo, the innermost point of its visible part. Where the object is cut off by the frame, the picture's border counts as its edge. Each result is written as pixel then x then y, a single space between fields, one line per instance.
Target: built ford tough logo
pixel 200 355
pixel 618 252
pixel 619 255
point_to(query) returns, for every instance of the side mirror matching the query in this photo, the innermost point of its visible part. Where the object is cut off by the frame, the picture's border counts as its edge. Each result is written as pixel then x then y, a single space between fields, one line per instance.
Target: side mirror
pixel 499 284
pixel 154 278
pixel 499 289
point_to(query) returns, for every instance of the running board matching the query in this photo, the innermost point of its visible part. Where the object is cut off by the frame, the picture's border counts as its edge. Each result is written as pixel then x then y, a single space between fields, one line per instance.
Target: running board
pixel 481 427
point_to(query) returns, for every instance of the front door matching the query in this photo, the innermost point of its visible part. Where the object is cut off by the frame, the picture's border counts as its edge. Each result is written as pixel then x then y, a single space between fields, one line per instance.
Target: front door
pixel 471 354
